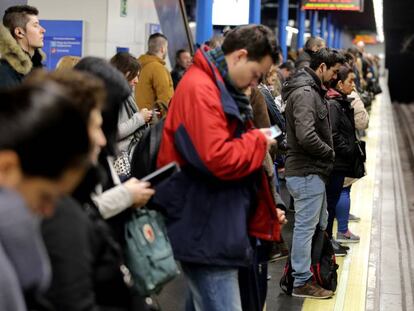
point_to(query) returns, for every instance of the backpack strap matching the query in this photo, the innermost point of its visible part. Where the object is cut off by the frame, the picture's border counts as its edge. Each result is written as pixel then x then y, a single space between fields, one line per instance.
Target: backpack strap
pixel 155 142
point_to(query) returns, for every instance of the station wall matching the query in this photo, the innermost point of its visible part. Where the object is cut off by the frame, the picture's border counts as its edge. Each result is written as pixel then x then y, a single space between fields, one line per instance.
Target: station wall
pixel 132 30
pixel 4 4
pixel 104 27
pixel 92 12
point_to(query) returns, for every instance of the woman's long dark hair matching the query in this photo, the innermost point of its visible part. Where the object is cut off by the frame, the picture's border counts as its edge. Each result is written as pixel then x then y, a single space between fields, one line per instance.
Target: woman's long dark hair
pixel 127 64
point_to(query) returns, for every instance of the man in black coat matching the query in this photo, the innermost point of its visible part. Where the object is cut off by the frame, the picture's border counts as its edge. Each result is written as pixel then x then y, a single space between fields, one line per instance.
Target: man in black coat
pixel 21 38
pixel 183 62
pixel 309 160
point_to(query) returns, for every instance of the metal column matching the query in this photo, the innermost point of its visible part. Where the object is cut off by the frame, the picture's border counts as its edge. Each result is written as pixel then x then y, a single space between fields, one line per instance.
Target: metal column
pixel 322 33
pixel 255 12
pixel 301 26
pixel 314 23
pixel 204 19
pixel 339 38
pixel 283 22
pixel 329 38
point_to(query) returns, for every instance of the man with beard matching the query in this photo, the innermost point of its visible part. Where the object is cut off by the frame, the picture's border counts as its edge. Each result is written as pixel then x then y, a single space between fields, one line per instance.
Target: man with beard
pixel 183 62
pixel 155 83
pixel 309 160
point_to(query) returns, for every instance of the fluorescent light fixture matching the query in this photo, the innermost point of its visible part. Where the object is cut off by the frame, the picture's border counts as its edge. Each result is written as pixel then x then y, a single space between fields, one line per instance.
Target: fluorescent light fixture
pixel 379 11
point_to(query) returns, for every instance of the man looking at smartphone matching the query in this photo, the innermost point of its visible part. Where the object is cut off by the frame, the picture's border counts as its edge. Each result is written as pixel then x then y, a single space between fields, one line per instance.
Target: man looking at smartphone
pixel 309 160
pixel 208 131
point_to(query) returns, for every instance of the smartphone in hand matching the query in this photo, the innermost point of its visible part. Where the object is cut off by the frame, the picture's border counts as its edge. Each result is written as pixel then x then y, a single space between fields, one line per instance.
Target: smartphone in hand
pixel 275 131
pixel 161 174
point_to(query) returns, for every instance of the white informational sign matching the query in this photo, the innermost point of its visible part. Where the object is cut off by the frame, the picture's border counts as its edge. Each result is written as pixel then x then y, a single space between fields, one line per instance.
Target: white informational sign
pixel 231 12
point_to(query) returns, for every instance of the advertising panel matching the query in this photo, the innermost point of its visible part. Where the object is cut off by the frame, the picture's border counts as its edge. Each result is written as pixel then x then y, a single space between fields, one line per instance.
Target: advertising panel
pixel 62 37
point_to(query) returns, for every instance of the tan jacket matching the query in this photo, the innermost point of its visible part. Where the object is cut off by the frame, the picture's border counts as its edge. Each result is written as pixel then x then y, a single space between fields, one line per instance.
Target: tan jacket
pixel 155 83
pixel 361 116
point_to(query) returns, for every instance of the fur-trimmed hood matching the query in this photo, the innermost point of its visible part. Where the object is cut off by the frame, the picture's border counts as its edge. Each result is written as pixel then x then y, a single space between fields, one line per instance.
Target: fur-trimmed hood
pixel 10 51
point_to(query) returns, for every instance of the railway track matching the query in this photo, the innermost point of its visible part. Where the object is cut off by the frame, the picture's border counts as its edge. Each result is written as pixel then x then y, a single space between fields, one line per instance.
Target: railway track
pixel 404 114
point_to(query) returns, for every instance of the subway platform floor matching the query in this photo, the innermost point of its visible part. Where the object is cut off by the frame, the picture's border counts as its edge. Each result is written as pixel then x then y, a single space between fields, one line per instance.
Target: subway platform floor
pixel 378 272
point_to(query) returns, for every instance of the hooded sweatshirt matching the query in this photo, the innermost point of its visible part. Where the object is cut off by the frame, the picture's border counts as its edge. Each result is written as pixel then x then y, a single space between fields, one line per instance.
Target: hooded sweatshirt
pixel 155 82
pixel 308 127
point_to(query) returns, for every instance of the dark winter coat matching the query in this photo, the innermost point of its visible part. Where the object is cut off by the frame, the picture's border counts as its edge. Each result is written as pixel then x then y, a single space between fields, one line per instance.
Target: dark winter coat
pixel 85 257
pixel 309 136
pixel 343 132
pixel 177 74
pixel 86 274
pixel 14 62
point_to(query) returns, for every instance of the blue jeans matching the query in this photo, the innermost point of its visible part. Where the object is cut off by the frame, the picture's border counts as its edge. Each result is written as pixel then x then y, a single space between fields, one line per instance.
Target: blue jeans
pixel 309 197
pixel 342 210
pixel 212 288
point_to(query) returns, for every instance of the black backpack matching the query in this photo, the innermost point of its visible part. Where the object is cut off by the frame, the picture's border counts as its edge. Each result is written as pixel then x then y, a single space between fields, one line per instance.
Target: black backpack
pixel 144 156
pixel 323 266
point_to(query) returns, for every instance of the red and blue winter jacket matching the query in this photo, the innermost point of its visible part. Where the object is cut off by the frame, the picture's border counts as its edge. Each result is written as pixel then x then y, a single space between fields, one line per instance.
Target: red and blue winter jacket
pixel 210 203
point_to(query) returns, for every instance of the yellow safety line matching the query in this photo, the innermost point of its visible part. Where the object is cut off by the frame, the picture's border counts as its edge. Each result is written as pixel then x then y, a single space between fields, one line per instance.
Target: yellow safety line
pixel 352 285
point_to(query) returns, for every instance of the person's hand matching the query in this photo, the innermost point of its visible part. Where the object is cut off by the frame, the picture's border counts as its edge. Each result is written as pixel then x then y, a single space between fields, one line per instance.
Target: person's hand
pixel 140 191
pixel 281 216
pixel 363 82
pixel 268 133
pixel 146 114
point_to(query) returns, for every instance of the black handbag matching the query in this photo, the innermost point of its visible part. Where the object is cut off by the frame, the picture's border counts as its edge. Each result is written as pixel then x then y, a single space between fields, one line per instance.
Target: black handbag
pixel 360 158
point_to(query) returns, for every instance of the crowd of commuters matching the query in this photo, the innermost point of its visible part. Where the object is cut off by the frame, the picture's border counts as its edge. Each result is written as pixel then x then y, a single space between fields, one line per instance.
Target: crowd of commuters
pixel 66 144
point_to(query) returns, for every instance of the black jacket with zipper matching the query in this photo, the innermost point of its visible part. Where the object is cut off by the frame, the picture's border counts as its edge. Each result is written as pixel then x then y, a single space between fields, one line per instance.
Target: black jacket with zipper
pixel 343 132
pixel 308 128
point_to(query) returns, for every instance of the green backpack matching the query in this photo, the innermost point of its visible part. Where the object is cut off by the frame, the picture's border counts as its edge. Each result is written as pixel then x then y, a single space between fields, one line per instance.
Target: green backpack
pixel 149 255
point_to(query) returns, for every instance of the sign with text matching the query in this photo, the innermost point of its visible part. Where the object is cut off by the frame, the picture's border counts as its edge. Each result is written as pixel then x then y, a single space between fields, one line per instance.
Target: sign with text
pixel 62 38
pixel 366 38
pixel 336 5
pixel 124 8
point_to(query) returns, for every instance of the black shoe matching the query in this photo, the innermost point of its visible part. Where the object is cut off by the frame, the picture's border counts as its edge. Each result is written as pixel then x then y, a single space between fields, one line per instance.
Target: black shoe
pixel 336 244
pixel 279 251
pixel 339 250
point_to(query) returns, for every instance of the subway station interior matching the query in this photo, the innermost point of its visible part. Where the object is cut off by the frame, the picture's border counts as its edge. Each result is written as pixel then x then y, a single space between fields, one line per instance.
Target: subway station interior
pixel 375 270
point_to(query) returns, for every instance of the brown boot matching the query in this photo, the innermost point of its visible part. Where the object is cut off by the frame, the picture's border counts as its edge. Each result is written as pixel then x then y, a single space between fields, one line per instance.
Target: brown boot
pixel 310 290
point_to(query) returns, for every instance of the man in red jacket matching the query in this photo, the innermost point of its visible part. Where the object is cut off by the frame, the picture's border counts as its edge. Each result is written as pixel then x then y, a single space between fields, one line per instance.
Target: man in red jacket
pixel 208 131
